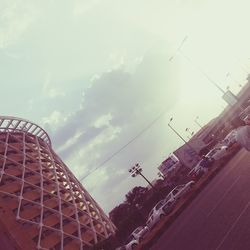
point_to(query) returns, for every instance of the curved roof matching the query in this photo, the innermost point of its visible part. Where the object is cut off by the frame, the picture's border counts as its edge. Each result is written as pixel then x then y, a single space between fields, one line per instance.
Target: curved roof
pixel 14 124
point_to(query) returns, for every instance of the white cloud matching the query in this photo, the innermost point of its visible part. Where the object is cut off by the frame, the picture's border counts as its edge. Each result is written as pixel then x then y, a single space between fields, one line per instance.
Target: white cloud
pixel 53 121
pixel 94 77
pixel 70 142
pixel 103 121
pixel 49 90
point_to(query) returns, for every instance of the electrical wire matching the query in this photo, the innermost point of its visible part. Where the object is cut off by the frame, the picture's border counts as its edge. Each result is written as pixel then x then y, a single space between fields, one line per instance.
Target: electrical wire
pixel 140 133
pixel 126 145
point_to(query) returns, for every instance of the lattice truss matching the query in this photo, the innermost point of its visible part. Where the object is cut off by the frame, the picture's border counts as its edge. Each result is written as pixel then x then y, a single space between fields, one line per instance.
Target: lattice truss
pixel 52 206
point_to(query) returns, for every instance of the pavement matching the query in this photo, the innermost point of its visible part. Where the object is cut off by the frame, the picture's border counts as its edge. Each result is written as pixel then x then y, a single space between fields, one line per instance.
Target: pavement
pixel 219 217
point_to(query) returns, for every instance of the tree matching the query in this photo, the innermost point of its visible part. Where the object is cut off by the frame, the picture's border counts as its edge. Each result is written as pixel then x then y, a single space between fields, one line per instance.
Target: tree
pixel 135 196
pixel 119 212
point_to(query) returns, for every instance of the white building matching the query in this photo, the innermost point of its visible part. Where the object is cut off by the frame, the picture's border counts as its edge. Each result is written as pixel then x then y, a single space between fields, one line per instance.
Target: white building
pixel 170 166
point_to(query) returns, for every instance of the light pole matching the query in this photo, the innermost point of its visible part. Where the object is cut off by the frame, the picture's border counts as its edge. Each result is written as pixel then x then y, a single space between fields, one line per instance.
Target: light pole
pixel 197 67
pixel 179 50
pixel 185 142
pixel 171 127
pixel 233 79
pixel 188 130
pixel 196 121
pixel 161 175
pixel 137 170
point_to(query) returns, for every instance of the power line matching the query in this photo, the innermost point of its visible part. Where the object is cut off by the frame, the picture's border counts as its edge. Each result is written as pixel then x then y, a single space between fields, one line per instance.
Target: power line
pixel 127 144
pixel 202 72
pixel 195 65
pixel 139 134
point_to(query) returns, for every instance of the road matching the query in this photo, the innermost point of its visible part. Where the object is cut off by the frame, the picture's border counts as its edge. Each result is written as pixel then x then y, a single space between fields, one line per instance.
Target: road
pixel 219 217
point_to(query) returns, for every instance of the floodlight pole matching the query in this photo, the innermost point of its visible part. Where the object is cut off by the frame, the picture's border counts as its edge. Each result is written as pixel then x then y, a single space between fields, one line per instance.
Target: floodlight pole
pixel 137 170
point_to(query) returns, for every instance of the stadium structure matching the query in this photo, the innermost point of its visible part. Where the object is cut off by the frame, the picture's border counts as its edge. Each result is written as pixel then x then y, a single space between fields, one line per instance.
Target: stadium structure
pixel 42 204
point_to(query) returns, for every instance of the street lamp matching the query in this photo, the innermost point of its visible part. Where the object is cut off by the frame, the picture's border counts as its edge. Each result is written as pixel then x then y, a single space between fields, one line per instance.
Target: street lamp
pixel 137 170
pixel 161 175
pixel 171 127
pixel 196 121
pixel 233 79
pixel 188 130
pixel 185 142
pixel 179 50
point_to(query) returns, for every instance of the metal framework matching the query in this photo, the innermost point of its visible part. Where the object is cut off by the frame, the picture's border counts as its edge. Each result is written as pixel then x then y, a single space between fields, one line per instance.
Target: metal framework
pixel 42 204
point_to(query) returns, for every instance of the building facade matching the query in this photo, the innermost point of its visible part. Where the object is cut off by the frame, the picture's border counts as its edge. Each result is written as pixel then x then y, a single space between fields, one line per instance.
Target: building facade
pixel 170 166
pixel 42 204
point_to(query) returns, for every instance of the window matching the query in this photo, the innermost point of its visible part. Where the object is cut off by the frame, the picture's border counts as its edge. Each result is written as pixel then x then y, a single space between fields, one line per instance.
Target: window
pixel 158 205
pixel 175 191
pixel 137 230
pixel 130 238
pixel 168 197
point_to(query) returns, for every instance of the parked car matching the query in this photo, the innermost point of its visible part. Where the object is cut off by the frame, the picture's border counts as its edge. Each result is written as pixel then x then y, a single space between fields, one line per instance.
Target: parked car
pixel 131 244
pixel 166 205
pixel 230 139
pixel 161 209
pixel 243 137
pixel 247 120
pixel 217 152
pixel 140 232
pixel 201 167
pixel 180 191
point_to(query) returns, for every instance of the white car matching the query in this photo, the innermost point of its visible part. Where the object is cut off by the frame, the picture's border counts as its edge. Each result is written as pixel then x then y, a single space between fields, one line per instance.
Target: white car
pixel 161 209
pixel 134 238
pixel 217 152
pixel 230 139
pixel 197 172
pixel 140 232
pixel 243 137
pixel 247 120
pixel 180 191
pixel 132 243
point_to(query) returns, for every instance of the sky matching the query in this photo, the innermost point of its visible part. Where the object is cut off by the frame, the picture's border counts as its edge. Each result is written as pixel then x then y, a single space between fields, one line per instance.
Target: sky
pixel 96 73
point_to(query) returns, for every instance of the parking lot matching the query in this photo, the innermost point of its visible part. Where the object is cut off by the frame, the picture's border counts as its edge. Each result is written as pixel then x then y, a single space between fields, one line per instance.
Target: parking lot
pixel 218 217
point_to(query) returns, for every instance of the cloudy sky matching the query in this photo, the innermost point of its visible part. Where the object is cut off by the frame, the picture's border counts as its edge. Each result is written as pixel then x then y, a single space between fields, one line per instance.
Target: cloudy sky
pixel 96 73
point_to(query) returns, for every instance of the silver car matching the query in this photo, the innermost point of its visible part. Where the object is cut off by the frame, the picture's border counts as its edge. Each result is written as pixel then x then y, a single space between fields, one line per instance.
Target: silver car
pixel 140 232
pixel 132 243
pixel 161 209
pixel 180 190
pixel 217 152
